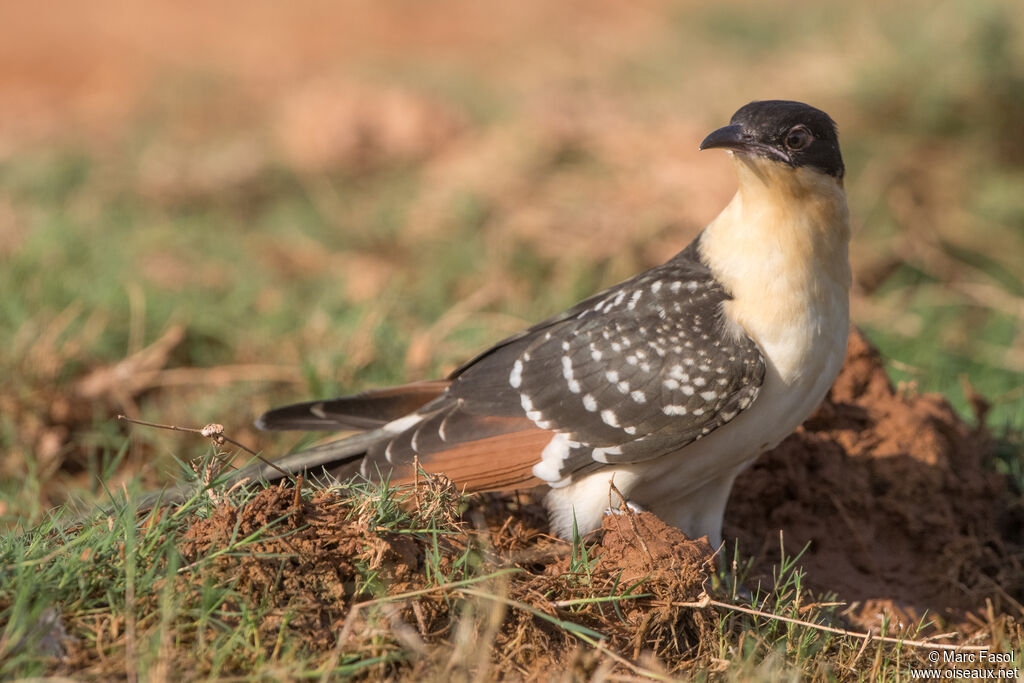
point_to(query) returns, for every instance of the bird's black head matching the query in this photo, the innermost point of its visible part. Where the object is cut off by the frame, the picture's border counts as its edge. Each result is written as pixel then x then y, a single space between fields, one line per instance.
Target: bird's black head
pixel 793 133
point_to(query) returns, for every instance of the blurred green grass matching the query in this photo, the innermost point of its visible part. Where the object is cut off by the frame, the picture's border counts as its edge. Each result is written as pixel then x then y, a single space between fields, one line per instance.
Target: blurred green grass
pixel 348 273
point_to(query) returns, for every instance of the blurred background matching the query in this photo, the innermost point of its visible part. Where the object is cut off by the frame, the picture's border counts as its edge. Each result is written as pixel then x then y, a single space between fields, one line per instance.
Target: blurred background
pixel 207 212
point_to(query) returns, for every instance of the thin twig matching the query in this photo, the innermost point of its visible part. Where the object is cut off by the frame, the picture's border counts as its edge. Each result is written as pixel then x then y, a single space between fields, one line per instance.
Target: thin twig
pixel 297 499
pixel 214 431
pixel 707 601
pixel 211 431
pixel 590 601
pixel 626 510
pixel 860 653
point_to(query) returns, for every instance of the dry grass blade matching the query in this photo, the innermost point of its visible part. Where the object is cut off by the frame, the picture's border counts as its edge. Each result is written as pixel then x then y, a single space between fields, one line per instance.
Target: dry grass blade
pixel 706 601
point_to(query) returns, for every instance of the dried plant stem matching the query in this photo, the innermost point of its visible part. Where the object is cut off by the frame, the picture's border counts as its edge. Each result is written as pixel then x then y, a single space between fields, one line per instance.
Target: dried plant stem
pixel 707 601
pixel 211 431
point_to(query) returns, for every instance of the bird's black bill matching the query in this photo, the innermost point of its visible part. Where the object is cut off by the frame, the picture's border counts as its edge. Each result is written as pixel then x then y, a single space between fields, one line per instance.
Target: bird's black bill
pixel 733 137
pixel 727 137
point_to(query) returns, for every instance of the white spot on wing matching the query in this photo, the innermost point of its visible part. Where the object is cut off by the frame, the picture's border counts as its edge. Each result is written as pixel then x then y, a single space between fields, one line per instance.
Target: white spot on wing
pixel 525 402
pixel 534 416
pixel 601 454
pixel 552 458
pixel 401 424
pixel 570 378
pixel 673 409
pixel 515 378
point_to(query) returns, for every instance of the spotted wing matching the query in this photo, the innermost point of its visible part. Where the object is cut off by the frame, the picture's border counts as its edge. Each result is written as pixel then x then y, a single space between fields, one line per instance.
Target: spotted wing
pixel 636 372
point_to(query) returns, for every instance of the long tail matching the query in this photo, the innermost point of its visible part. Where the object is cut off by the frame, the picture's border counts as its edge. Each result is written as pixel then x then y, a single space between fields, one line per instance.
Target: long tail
pixel 365 410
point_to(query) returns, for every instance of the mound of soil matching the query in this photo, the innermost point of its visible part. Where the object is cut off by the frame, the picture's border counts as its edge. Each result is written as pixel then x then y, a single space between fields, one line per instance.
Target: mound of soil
pixel 638 553
pixel 338 579
pixel 308 560
pixel 894 497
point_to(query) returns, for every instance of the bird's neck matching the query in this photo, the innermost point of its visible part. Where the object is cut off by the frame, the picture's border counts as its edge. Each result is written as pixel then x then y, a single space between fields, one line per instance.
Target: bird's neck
pixel 780 248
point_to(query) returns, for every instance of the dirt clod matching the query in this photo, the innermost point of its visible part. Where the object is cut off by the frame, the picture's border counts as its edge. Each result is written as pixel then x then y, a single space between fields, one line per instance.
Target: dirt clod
pixel 895 498
pixel 641 545
pixel 307 559
pixel 674 569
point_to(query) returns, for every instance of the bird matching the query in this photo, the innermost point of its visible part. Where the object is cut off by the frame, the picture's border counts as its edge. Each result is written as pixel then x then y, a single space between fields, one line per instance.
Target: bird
pixel 666 385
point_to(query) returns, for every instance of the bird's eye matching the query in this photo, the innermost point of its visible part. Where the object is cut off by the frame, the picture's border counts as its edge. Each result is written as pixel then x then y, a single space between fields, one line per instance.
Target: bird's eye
pixel 798 138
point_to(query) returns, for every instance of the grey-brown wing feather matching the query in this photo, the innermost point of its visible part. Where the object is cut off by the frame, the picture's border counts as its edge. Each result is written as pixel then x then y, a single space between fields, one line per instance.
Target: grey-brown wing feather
pixel 365 410
pixel 633 373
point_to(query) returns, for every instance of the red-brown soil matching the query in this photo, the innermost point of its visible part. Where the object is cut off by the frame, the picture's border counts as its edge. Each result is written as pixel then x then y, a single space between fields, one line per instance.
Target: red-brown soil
pixel 311 565
pixel 895 498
